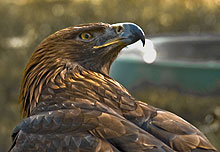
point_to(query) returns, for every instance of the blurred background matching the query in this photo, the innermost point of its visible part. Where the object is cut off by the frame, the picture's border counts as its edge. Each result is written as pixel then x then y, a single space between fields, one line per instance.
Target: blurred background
pixel 25 23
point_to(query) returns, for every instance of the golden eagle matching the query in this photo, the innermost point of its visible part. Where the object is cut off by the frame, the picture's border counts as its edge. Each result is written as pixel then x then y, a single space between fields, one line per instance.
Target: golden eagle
pixel 71 104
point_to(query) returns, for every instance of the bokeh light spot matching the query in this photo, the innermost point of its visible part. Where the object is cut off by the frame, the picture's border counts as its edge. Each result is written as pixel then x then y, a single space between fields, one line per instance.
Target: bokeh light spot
pixel 58 10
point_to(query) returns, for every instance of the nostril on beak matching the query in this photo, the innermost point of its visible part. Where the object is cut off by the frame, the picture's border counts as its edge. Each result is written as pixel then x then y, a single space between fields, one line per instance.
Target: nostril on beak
pixel 118 29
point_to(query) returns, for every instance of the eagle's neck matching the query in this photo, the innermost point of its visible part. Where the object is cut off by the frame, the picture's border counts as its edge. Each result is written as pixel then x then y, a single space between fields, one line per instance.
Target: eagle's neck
pixel 80 88
pixel 36 76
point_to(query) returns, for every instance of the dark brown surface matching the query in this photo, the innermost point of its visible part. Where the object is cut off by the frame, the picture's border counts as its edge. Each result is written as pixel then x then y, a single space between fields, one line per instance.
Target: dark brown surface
pixel 72 104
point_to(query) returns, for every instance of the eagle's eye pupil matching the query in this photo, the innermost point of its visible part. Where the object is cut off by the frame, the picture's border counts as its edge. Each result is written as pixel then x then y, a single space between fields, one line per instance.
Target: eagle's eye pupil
pixel 85 36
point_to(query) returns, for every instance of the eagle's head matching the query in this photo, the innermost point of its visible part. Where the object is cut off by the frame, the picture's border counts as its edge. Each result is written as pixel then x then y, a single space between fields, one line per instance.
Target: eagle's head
pixel 92 46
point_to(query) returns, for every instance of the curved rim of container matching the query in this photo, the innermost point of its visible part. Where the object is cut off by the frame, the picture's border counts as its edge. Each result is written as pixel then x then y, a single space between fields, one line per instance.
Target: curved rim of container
pixel 173 63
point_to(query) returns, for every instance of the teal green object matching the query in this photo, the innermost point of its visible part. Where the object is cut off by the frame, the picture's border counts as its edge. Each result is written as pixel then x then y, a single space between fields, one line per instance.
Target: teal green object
pixel 185 75
pixel 195 79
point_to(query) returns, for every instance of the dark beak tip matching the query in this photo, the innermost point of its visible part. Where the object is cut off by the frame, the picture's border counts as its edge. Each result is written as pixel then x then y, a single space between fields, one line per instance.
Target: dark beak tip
pixel 141 36
pixel 143 41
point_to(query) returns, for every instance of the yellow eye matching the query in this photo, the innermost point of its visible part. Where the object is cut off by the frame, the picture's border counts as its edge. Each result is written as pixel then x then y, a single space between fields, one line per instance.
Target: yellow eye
pixel 85 36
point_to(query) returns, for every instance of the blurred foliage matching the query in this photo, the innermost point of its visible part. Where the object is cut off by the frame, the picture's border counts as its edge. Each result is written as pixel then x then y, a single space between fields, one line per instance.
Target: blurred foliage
pixel 24 23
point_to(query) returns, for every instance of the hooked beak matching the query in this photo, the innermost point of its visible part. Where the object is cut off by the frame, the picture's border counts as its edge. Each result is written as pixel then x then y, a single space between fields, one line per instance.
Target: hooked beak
pixel 127 33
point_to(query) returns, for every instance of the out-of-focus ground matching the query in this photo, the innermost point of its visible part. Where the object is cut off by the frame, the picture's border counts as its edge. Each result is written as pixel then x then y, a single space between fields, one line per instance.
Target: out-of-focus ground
pixel 201 111
pixel 24 23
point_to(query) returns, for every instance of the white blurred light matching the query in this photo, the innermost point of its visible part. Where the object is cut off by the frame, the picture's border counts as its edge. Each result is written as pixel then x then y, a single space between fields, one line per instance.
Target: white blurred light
pixel 148 52
pixel 150 56
pixel 15 42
